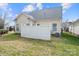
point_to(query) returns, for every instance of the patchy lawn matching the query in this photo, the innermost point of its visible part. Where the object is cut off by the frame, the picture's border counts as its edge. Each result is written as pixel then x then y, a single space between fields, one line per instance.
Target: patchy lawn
pixel 68 45
pixel 14 45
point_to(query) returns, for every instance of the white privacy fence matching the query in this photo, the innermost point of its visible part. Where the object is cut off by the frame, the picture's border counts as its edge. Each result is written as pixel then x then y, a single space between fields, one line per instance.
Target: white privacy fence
pixel 36 32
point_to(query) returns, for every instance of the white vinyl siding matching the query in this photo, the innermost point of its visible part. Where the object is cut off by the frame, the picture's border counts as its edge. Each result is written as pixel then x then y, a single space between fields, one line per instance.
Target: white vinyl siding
pixel 36 32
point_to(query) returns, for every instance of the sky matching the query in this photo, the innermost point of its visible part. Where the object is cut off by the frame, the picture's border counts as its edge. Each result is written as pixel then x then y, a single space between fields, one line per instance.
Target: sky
pixel 70 11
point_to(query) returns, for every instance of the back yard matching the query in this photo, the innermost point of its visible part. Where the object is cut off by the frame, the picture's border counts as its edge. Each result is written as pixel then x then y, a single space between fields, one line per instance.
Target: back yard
pixel 13 44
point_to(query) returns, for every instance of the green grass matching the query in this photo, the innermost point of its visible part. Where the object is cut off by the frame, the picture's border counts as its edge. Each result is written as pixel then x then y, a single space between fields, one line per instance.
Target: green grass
pixel 74 40
pixel 13 36
pixel 68 45
pixel 13 44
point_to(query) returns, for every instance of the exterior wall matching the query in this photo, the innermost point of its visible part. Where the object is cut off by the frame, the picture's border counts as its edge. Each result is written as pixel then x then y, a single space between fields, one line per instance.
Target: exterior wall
pixel 21 20
pixel 74 28
pixel 42 31
pixel 36 32
pixel 49 24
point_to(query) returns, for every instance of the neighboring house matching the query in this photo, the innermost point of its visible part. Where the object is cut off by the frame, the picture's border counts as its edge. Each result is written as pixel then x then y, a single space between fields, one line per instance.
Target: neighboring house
pixel 39 24
pixel 6 26
pixel 65 26
pixel 1 23
pixel 74 27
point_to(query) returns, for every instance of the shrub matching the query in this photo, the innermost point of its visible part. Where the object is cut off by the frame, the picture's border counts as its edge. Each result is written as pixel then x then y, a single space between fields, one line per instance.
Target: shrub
pixel 2 31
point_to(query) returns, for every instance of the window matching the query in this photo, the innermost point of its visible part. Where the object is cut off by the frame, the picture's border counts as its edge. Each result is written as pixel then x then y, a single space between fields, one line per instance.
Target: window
pixel 27 24
pixel 28 18
pixel 38 24
pixel 54 27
